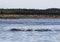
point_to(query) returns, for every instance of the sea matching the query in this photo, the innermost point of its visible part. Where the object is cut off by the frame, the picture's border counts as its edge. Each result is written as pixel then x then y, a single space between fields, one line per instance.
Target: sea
pixel 30 36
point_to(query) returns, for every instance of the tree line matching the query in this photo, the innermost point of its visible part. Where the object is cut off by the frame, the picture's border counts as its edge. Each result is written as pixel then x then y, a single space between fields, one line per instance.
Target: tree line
pixel 50 11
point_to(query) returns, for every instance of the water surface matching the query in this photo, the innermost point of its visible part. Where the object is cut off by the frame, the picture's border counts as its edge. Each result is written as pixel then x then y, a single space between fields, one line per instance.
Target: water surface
pixel 32 36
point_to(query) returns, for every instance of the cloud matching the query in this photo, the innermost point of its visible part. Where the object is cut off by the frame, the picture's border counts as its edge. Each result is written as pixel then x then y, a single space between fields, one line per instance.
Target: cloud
pixel 29 3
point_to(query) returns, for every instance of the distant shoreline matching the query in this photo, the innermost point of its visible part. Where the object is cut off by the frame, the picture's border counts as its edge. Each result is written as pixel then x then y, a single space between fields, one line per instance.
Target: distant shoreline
pixel 29 13
pixel 27 16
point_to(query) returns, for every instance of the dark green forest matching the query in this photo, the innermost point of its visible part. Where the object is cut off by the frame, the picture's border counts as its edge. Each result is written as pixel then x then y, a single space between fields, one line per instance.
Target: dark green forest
pixel 50 11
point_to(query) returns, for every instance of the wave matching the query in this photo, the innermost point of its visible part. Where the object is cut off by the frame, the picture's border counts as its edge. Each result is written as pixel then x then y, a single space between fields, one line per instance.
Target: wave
pixel 31 21
pixel 29 24
pixel 33 27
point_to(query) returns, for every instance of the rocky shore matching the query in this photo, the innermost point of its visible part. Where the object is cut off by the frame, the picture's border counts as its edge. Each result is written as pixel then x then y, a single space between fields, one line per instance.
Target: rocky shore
pixel 27 16
pixel 41 30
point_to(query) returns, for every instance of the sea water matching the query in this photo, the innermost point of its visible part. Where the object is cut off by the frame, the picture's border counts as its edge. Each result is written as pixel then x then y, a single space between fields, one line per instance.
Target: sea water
pixel 29 36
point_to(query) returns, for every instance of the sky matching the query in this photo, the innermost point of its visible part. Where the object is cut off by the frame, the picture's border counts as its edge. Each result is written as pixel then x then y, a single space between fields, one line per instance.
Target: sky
pixel 30 4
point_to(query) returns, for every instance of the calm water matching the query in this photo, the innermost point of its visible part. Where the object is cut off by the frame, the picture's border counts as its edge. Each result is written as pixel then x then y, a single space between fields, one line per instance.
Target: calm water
pixel 32 36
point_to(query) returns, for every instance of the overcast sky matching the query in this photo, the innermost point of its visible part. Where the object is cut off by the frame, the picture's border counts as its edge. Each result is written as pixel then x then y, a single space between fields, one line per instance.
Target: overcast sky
pixel 39 4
